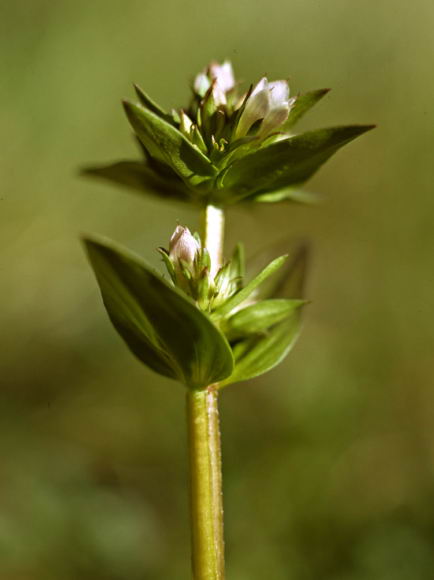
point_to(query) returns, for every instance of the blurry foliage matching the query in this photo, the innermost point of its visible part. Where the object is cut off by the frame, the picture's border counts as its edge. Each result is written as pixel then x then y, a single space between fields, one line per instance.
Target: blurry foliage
pixel 329 460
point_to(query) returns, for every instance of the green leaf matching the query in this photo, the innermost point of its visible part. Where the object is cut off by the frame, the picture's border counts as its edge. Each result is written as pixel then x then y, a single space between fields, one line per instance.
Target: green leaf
pixel 162 327
pixel 289 282
pixel 137 176
pixel 259 354
pixel 168 144
pixel 288 162
pixel 257 317
pixel 245 292
pixel 150 104
pixel 302 105
pixel 286 194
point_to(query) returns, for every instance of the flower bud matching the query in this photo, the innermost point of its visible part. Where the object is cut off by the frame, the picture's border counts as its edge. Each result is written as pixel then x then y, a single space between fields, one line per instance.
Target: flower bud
pixel 223 74
pixel 220 77
pixel 183 246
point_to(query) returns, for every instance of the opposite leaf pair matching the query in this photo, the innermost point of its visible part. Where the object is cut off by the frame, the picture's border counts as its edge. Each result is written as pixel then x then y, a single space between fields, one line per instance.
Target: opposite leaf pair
pixel 166 329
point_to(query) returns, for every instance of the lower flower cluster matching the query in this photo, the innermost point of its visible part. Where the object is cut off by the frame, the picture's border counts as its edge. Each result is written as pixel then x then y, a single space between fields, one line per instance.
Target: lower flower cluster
pixel 197 327
pixel 189 267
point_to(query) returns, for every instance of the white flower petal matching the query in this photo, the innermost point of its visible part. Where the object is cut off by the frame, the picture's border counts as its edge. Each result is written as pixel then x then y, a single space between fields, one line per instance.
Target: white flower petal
pixel 218 94
pixel 223 74
pixel 260 86
pixel 201 84
pixel 273 120
pixel 257 107
pixel 279 93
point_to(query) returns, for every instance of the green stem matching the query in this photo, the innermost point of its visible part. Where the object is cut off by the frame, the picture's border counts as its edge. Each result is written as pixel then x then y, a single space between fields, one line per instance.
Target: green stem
pixel 206 498
pixel 205 484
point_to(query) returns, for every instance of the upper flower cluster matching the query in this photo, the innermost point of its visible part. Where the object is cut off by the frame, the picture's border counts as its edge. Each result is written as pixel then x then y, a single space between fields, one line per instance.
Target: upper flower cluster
pixel 222 117
pixel 227 146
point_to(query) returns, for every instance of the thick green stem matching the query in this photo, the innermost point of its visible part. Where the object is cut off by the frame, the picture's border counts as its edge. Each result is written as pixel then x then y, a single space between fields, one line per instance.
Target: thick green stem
pixel 206 499
pixel 205 484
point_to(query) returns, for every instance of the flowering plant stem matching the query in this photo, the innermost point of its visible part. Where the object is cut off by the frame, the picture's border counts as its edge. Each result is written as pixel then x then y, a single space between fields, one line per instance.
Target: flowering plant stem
pixel 206 499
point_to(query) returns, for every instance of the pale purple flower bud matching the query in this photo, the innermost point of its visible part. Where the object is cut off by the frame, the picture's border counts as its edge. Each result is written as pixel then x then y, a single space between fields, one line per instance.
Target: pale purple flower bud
pixel 223 74
pixel 220 76
pixel 183 246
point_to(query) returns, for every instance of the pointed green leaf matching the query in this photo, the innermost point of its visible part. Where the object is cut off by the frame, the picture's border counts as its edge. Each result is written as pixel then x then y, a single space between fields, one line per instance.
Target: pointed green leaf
pixel 167 143
pixel 258 317
pixel 259 354
pixel 150 104
pixel 245 292
pixel 138 176
pixel 288 162
pixel 289 282
pixel 158 322
pixel 302 105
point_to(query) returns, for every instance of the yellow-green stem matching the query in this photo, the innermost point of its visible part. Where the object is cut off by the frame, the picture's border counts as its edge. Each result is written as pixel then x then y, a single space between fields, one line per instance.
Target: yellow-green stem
pixel 206 498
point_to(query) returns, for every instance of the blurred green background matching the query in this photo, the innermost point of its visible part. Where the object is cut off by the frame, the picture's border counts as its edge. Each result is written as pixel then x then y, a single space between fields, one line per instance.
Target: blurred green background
pixel 329 459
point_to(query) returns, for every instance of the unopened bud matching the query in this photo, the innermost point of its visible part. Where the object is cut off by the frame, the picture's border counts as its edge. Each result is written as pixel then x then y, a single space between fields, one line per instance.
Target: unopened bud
pixel 183 246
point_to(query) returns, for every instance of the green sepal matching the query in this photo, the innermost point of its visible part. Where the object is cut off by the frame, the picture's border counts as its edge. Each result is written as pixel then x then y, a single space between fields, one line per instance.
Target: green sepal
pixel 238 266
pixel 137 176
pixel 203 289
pixel 197 139
pixel 301 106
pixel 221 278
pixel 258 317
pixel 167 143
pixel 245 292
pixel 257 355
pixel 285 163
pixel 159 323
pixel 168 263
pixel 208 110
pixel 204 258
pixel 239 112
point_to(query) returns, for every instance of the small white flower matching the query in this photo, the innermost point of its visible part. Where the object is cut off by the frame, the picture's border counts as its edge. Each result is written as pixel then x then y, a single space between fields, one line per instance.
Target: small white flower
pixel 268 102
